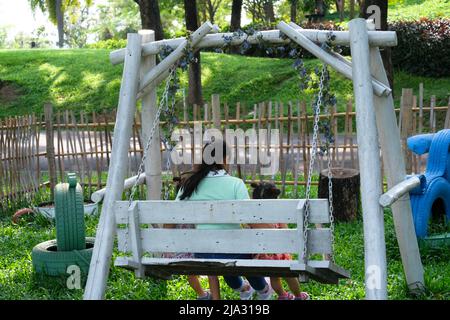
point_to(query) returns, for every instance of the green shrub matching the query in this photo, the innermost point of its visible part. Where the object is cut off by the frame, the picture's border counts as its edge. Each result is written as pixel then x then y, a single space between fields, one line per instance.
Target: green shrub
pixel 423 47
pixel 109 44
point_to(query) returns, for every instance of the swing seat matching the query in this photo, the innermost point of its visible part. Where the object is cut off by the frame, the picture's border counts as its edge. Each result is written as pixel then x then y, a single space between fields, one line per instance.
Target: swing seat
pixel 141 242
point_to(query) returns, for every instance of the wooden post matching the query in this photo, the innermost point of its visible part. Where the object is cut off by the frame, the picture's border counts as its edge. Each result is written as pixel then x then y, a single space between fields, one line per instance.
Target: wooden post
pixel 447 117
pixel 406 125
pixel 148 113
pixel 215 104
pixel 104 240
pixel 389 139
pixel 433 114
pixel 343 68
pixel 48 109
pixel 369 163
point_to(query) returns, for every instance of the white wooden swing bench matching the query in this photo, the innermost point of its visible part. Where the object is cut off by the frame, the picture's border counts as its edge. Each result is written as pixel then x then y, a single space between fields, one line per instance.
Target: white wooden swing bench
pixel 134 231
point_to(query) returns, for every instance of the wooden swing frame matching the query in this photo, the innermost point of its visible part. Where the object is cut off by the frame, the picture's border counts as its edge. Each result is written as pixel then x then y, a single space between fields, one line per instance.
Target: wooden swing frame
pixel 376 126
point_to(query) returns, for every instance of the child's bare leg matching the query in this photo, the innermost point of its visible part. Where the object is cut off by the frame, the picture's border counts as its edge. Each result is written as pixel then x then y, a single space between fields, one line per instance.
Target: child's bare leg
pixel 214 287
pixel 277 286
pixel 194 282
pixel 294 285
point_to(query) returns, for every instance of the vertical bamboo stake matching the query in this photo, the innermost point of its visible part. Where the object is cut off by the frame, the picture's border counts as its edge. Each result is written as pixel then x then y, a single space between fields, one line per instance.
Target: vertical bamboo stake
pixel 97 157
pixel 433 114
pixel 282 155
pixel 334 120
pixel 305 147
pixel 38 166
pixel 297 156
pixel 82 151
pixel 420 119
pixel 215 105
pixel 2 170
pixel 414 130
pixel 255 115
pixel 48 109
pixel 84 132
pixel 238 166
pixel 406 109
pixel 447 116
pixel 269 128
pixel 261 111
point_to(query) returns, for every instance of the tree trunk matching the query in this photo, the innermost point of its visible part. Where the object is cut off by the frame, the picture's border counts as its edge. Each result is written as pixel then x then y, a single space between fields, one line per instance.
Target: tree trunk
pixel 236 12
pixel 386 51
pixel 151 17
pixel 346 192
pixel 211 10
pixel 60 22
pixel 195 79
pixel 320 7
pixel 294 4
pixel 269 11
pixel 352 9
pixel 340 7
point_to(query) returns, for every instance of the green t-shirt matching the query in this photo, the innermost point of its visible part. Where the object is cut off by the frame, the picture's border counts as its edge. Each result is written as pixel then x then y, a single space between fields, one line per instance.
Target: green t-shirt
pixel 219 187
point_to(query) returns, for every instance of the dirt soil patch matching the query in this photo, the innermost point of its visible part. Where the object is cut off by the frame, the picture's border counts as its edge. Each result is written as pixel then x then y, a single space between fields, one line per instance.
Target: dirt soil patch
pixel 9 92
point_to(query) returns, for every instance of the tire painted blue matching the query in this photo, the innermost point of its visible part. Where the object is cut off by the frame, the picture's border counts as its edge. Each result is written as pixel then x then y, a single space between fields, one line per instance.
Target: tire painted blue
pixel 437 178
pixel 439 188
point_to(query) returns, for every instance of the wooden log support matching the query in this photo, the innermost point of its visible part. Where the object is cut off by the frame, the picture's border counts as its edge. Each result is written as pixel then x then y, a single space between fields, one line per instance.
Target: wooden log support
pixel 346 192
pixel 340 66
pixel 172 58
pixel 399 190
pixel 369 164
pixel 394 165
pixel 98 195
pixel 104 240
pixel 149 109
pixel 376 38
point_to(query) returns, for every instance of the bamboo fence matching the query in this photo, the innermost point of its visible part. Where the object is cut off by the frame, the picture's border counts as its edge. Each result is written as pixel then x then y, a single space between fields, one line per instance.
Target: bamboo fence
pixel 37 151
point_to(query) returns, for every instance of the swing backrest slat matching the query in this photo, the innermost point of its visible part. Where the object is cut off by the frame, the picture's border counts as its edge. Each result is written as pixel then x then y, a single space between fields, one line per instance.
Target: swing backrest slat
pixel 244 240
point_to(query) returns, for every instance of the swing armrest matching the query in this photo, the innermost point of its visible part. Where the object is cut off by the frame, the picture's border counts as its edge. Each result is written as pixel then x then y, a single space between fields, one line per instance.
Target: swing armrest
pixel 399 190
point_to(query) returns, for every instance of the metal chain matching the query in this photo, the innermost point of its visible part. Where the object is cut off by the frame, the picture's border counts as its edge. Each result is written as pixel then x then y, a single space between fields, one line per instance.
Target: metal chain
pixel 312 161
pixel 169 148
pixel 147 147
pixel 330 202
pixel 151 135
pixel 330 185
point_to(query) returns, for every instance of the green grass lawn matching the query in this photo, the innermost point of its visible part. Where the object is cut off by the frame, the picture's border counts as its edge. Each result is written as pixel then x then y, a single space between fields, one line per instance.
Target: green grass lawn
pixel 416 9
pixel 18 280
pixel 404 10
pixel 84 80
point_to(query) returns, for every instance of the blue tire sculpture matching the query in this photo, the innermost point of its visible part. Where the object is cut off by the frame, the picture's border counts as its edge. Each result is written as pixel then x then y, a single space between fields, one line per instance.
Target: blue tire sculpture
pixel 437 177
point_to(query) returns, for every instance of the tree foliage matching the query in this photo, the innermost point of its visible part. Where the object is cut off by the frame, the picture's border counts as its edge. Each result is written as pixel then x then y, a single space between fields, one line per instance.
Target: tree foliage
pixel 49 6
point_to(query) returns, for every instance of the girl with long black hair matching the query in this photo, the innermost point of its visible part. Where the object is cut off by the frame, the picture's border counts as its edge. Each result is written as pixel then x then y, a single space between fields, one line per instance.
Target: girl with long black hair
pixel 210 181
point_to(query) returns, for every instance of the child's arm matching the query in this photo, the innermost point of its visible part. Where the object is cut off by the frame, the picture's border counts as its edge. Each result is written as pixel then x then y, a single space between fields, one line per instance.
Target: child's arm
pixel 261 225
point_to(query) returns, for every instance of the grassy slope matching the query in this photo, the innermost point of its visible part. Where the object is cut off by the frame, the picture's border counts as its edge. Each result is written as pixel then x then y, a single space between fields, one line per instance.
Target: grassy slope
pixel 415 9
pixel 406 10
pixel 85 80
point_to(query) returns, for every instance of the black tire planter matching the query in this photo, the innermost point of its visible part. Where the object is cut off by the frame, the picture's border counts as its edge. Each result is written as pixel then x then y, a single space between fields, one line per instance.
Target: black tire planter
pixel 69 215
pixel 48 260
